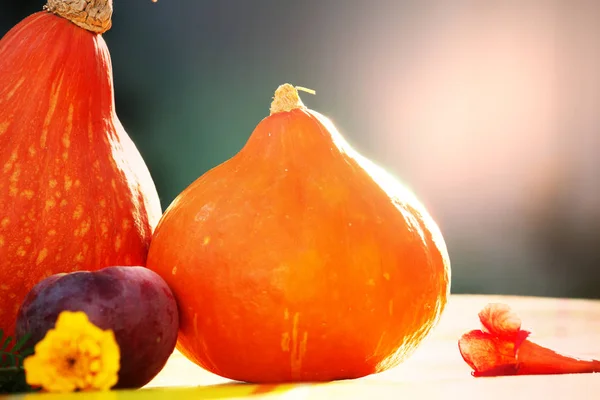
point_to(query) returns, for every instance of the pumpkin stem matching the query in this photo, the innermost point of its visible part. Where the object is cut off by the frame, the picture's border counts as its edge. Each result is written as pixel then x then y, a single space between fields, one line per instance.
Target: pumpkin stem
pixel 92 15
pixel 287 99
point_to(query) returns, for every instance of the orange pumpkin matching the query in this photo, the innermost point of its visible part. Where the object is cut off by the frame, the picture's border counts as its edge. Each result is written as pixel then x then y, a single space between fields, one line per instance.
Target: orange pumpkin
pixel 74 191
pixel 298 259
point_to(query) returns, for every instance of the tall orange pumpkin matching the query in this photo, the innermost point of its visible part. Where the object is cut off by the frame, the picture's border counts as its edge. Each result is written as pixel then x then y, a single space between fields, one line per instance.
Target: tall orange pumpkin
pixel 298 259
pixel 75 192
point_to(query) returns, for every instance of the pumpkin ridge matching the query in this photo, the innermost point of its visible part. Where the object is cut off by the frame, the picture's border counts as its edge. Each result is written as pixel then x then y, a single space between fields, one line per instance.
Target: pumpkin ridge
pixel 75 192
pixel 299 260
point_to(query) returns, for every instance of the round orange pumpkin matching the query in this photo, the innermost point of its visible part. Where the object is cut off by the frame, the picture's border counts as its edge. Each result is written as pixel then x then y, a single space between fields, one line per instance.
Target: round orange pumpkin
pixel 75 193
pixel 298 259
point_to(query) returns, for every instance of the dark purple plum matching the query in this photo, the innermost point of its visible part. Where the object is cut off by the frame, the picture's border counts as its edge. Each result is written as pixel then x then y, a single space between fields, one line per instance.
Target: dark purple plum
pixel 134 302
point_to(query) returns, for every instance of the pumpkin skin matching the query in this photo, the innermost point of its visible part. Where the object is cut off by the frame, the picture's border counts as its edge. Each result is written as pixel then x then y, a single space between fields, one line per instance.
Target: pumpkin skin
pixel 299 260
pixel 75 193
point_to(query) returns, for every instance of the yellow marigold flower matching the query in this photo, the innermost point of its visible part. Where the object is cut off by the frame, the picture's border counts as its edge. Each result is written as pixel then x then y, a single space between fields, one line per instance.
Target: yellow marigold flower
pixel 75 355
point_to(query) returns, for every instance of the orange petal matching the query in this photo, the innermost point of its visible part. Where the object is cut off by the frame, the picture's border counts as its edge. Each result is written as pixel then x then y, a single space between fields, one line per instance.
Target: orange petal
pixel 484 352
pixel 535 359
pixel 502 348
pixel 499 320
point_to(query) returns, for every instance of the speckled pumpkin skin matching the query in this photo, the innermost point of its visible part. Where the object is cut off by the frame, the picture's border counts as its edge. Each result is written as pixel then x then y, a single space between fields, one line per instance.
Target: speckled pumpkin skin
pixel 299 260
pixel 75 194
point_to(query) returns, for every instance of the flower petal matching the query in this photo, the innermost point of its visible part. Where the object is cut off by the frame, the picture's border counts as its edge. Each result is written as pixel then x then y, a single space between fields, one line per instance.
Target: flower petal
pixel 499 320
pixel 76 354
pixel 484 352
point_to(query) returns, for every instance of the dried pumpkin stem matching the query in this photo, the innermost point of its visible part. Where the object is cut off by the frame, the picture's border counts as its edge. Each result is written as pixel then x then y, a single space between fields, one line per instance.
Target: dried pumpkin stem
pixel 92 15
pixel 287 99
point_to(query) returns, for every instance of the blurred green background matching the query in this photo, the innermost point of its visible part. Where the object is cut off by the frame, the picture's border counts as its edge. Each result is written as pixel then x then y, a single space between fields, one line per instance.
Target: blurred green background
pixel 488 111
